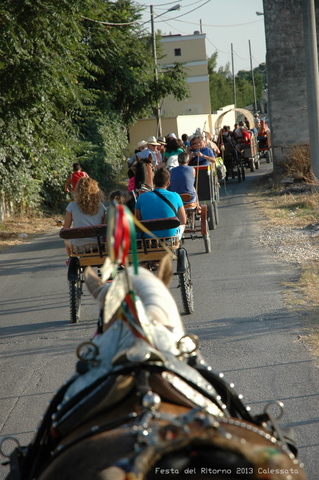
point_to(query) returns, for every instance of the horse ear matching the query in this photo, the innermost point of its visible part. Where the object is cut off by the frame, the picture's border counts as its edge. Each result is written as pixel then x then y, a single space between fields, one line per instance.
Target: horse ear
pixel 113 473
pixel 150 158
pixel 165 270
pixel 93 282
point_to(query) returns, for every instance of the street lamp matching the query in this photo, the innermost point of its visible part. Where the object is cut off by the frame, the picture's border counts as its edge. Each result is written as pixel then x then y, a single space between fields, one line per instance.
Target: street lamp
pixel 158 107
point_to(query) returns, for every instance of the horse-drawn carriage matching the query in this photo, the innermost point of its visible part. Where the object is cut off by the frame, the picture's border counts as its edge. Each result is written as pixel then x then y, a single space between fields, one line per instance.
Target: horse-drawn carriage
pixel 264 147
pixel 143 403
pixel 196 222
pixel 149 252
pixel 234 162
pixel 250 154
pixel 239 157
pixel 207 188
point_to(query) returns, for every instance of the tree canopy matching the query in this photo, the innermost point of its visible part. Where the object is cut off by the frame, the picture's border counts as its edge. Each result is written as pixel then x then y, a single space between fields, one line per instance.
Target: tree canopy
pixel 222 86
pixel 71 84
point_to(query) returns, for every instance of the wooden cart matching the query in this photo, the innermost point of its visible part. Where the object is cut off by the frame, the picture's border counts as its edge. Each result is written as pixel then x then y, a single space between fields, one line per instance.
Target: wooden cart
pixel 149 252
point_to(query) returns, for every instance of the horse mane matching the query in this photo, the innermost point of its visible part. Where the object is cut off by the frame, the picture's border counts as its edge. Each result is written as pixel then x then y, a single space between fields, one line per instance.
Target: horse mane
pixel 143 172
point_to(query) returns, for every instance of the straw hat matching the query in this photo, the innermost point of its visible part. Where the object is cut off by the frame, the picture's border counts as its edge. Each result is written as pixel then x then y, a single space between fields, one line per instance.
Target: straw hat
pixel 152 141
pixel 162 140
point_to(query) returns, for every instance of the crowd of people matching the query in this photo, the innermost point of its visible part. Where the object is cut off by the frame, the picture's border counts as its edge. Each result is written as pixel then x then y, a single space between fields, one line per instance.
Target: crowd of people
pixel 243 133
pixel 172 160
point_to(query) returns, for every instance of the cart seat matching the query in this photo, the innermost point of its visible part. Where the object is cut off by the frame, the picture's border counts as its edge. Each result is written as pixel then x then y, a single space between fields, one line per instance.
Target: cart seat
pixel 188 205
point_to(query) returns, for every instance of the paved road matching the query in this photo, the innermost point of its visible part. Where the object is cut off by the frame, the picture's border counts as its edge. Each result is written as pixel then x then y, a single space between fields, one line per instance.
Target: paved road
pixel 244 328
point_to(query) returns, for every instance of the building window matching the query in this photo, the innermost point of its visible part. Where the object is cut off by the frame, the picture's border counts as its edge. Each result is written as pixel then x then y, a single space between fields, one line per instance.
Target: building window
pixel 177 52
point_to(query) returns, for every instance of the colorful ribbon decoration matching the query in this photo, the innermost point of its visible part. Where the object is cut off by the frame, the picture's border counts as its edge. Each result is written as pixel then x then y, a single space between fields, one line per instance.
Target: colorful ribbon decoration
pixel 121 235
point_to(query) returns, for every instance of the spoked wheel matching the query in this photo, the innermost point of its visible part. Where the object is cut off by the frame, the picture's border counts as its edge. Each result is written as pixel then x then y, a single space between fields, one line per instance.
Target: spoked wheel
pixel 252 164
pixel 216 191
pixel 239 173
pixel 185 282
pixel 205 229
pixel 211 217
pixel 76 292
pixel 267 156
pixel 243 173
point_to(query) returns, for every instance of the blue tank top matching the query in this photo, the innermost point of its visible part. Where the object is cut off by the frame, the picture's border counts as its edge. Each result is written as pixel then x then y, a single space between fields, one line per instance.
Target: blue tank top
pixel 182 180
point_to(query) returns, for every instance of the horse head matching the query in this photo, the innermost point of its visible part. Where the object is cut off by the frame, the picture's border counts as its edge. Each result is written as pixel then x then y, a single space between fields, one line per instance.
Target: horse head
pixel 144 174
pixel 152 290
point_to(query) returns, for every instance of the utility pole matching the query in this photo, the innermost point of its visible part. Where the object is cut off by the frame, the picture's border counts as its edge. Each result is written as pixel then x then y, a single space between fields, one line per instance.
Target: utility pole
pixel 158 106
pixel 252 77
pixel 234 81
pixel 312 78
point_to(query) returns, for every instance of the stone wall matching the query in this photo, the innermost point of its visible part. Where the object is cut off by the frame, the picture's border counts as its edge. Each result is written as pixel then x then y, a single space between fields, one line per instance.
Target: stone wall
pixel 286 76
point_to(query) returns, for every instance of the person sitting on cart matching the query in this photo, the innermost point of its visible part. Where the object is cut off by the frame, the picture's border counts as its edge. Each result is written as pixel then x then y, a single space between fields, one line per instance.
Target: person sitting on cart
pixel 183 177
pixel 262 135
pixel 199 154
pixel 152 150
pixel 86 210
pixel 161 203
pixel 245 135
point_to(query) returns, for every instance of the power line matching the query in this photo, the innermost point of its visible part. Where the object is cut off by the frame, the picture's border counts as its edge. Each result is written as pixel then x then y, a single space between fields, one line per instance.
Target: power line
pixel 110 23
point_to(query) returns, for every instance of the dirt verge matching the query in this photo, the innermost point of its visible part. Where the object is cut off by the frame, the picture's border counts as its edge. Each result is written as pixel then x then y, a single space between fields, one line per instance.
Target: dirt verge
pixel 14 231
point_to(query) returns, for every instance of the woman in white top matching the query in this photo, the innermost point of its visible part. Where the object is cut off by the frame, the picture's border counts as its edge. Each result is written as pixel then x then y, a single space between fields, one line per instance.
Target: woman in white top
pixel 87 209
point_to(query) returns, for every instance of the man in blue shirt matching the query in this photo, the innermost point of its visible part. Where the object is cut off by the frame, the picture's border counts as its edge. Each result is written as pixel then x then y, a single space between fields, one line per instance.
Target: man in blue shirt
pixel 199 154
pixel 151 206
pixel 152 150
pixel 183 177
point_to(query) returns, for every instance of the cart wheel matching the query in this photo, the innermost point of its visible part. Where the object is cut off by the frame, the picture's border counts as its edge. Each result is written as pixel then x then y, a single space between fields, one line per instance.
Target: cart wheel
pixel 187 288
pixel 252 164
pixel 205 229
pixel 75 287
pixel 216 191
pixel 215 205
pixel 243 173
pixel 203 220
pixel 207 242
pixel 239 173
pixel 257 164
pixel 267 156
pixel 211 217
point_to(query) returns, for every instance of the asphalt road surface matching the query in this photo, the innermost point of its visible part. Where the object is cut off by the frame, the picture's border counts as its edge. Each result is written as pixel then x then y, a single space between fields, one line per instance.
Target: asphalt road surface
pixel 245 331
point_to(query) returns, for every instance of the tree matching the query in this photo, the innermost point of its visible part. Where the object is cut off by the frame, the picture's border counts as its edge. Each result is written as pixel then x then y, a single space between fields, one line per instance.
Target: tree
pixel 221 85
pixel 123 56
pixel 70 88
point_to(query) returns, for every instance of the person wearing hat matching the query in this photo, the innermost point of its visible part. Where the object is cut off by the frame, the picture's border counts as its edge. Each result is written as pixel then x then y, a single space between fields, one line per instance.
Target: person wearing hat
pixel 151 149
pixel 199 153
pixel 141 145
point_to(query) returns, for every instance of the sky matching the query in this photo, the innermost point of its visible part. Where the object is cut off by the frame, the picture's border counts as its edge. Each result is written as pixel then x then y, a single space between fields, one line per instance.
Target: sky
pixel 224 22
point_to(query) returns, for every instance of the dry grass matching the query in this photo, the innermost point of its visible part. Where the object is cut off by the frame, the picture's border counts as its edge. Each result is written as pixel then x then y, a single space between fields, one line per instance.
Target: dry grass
pixel 14 231
pixel 296 205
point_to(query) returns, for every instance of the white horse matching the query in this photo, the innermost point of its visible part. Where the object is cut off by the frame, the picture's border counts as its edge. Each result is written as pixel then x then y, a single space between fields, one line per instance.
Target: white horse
pixel 136 409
